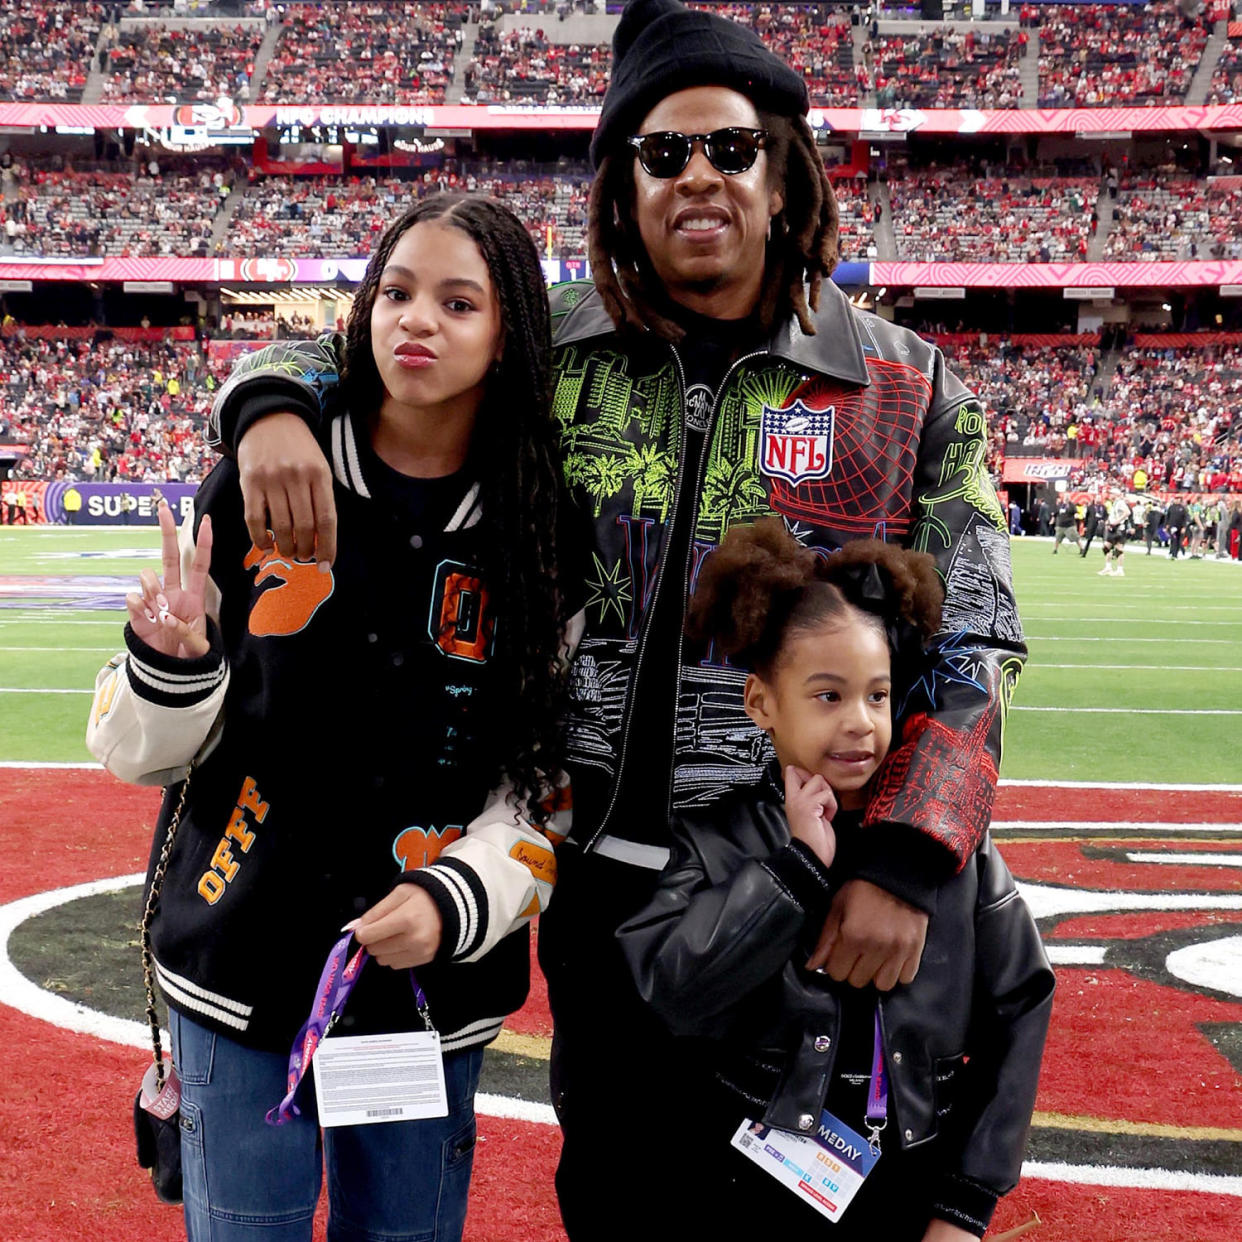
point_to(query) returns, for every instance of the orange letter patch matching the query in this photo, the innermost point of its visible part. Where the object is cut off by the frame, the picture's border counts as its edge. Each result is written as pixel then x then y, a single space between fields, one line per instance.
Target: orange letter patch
pixel 420 847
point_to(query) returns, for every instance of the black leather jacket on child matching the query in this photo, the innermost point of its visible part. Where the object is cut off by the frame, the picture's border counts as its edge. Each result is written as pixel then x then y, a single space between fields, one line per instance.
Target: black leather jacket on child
pixel 740 904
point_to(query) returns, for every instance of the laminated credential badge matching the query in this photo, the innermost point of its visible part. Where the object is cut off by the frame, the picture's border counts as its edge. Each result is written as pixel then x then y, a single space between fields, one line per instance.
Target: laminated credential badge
pixel 824 1168
pixel 795 443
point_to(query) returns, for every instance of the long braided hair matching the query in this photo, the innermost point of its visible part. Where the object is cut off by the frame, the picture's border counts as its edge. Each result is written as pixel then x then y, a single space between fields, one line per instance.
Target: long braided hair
pixel 801 253
pixel 515 457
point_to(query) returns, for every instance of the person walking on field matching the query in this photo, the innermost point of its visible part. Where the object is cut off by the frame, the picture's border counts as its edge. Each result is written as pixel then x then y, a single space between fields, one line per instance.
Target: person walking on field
pixel 1066 524
pixel 1116 532
pixel 713 374
pixel 1175 520
pixel 1095 521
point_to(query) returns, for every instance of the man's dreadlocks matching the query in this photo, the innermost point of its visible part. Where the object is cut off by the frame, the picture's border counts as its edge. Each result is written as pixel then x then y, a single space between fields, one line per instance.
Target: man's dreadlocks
pixel 801 253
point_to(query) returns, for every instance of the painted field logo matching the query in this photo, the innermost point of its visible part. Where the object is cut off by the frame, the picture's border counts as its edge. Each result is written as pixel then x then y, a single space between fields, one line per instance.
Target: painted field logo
pixel 795 443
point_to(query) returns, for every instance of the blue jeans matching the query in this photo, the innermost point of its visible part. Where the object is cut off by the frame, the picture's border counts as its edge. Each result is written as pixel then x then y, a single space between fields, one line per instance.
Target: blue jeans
pixel 244 1180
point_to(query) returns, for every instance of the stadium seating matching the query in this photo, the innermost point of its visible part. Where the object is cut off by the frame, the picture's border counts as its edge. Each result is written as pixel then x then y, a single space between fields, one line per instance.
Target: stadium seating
pixel 109 410
pixel 46 46
pixel 1092 54
pixel 335 217
pixel 524 66
pixel 61 213
pixel 941 215
pixel 1226 85
pixel 345 53
pixel 948 68
pixel 858 219
pixel 1169 217
pixel 152 61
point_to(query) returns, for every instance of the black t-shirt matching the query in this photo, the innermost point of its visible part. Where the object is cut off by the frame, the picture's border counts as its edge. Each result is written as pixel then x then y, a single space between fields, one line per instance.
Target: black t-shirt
pixel 425 503
pixel 707 351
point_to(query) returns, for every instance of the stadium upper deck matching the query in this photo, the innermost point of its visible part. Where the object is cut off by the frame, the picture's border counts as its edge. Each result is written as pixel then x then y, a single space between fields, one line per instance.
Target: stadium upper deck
pixel 176 51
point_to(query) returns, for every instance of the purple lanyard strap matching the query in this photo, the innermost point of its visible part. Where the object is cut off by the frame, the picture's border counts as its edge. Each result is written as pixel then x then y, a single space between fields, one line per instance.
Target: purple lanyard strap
pixel 877 1090
pixel 336 982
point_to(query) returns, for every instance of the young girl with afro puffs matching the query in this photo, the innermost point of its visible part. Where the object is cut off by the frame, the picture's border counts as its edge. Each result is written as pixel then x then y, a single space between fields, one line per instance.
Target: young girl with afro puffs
pixel 801 1084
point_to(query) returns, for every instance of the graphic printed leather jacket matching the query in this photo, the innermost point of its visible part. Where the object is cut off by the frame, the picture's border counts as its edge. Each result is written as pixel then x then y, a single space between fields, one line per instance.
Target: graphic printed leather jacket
pixel 857 431
pixel 719 952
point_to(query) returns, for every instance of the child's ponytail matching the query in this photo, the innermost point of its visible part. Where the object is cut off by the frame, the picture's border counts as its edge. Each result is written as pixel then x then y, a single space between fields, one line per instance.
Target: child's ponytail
pixel 761 583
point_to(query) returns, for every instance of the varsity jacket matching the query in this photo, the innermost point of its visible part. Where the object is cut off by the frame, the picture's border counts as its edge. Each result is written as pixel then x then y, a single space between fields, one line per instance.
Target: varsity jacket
pixel 856 431
pixel 720 953
pixel 340 730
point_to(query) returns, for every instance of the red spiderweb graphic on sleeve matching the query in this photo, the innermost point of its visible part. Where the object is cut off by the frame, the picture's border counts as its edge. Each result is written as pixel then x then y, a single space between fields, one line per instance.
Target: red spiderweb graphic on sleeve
pixel 875 445
pixel 941 779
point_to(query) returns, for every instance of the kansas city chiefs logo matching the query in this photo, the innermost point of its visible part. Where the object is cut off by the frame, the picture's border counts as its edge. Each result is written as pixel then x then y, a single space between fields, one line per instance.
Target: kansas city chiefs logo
pixel 795 443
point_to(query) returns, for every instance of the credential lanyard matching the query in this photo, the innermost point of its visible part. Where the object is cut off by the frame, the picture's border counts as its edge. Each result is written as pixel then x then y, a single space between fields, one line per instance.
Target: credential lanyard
pixel 336 982
pixel 877 1089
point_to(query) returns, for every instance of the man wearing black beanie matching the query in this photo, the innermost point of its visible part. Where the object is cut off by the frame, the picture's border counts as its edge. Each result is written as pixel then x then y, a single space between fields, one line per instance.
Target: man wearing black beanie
pixel 711 375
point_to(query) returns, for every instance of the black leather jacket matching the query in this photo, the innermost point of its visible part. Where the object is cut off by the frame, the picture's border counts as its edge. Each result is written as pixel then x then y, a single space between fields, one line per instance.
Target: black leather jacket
pixel 739 905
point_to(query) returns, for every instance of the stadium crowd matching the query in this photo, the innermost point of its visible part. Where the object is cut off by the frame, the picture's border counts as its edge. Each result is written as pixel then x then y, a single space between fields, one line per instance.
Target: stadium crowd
pixel 1157 216
pixel 939 214
pixel 1226 87
pixel 948 68
pixel 365 52
pixel 46 47
pixel 107 410
pixel 1166 421
pixel 340 217
pixel 102 212
pixel 152 61
pixel 1134 54
pixel 524 66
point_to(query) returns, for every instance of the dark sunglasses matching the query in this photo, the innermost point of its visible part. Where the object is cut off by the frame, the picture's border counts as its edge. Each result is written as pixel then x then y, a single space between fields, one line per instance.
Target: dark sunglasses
pixel 730 151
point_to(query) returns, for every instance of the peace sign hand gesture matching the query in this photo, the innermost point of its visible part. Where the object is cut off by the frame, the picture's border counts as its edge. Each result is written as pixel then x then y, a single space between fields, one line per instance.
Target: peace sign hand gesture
pixel 170 617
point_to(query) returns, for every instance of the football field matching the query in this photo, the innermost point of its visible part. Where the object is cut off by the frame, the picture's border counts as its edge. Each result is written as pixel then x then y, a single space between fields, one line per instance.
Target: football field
pixel 1129 679
pixel 1120 813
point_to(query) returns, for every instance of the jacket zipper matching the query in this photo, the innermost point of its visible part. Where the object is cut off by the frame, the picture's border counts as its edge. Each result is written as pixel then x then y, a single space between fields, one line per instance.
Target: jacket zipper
pixel 685 572
pixel 640 646
pixel 642 634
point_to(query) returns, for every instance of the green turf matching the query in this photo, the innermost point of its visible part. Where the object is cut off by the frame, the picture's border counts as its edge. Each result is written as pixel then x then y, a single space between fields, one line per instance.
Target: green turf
pixel 1167 637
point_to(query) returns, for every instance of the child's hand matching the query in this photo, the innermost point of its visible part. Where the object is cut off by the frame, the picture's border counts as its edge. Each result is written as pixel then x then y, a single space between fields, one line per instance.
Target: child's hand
pixel 402 930
pixel 809 807
pixel 172 618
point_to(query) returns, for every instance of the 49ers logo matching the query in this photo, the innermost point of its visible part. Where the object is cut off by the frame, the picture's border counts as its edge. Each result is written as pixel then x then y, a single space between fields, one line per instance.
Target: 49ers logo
pixel 287 606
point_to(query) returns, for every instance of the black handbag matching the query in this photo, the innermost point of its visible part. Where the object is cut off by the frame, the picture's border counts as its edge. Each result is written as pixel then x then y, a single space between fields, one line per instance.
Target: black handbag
pixel 157 1106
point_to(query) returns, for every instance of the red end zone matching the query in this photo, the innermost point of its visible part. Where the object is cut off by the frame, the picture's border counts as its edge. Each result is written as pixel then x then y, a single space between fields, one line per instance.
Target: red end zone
pixel 1130 1056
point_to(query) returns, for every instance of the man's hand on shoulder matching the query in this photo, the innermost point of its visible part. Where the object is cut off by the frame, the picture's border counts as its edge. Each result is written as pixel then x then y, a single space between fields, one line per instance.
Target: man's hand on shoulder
pixel 286 486
pixel 870 936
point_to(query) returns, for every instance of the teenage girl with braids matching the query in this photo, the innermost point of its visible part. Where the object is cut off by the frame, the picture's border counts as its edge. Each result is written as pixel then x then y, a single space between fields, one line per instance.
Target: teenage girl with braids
pixel 426 662
pixel 731 948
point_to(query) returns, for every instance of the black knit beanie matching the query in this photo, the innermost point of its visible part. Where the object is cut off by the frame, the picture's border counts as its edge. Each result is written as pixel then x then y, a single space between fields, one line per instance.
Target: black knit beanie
pixel 662 47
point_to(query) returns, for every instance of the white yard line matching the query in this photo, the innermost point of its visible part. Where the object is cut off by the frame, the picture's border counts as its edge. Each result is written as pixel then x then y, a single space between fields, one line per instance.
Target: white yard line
pixel 1033 783
pixel 1137 711
pixel 39 690
pixel 1191 859
pixel 1155 827
pixel 115 648
pixel 1112 638
pixel 1149 668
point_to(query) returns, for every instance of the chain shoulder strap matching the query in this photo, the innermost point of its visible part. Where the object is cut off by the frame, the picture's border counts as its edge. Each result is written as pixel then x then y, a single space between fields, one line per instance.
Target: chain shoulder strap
pixel 144 930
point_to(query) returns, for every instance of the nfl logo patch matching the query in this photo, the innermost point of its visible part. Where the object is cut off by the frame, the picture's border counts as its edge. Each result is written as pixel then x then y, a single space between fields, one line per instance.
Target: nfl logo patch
pixel 795 443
